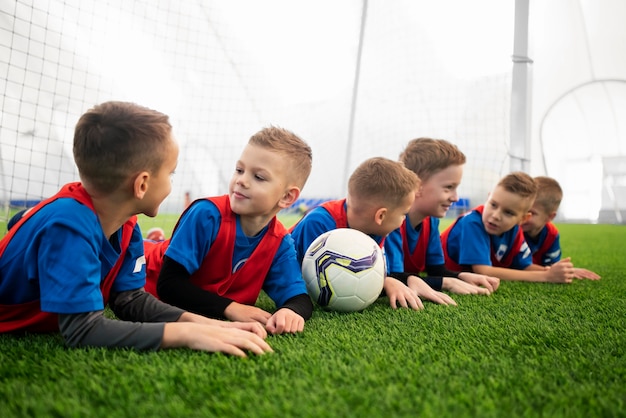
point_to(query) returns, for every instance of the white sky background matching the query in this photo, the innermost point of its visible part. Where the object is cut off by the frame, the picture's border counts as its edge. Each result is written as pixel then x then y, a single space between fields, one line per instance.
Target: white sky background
pixel 331 22
pixel 306 52
pixel 579 99
pixel 319 63
pixel 483 44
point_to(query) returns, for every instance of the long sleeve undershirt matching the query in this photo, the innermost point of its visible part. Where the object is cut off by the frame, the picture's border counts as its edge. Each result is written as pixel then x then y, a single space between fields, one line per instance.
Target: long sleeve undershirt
pixel 434 277
pixel 141 323
pixel 175 287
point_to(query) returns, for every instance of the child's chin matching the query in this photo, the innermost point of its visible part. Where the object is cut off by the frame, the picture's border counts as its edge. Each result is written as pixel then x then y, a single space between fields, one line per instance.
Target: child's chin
pixel 491 230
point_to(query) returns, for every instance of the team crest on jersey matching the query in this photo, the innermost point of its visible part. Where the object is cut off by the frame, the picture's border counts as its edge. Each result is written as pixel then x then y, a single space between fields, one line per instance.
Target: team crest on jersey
pixel 553 254
pixel 501 251
pixel 139 263
pixel 525 250
pixel 239 265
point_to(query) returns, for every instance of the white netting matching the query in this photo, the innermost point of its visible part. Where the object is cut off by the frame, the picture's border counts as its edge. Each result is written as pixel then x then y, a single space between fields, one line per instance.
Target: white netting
pixel 223 70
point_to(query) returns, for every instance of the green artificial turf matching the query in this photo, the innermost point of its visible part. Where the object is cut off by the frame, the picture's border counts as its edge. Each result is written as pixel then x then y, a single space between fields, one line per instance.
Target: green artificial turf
pixel 529 350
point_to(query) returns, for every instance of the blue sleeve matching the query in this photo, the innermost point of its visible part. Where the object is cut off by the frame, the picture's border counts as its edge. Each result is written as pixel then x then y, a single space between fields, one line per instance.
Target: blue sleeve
pixel 132 274
pixel 61 255
pixel 434 252
pixel 553 254
pixel 394 252
pixel 314 224
pixel 73 256
pixel 468 242
pixel 523 258
pixel 284 279
pixel 196 231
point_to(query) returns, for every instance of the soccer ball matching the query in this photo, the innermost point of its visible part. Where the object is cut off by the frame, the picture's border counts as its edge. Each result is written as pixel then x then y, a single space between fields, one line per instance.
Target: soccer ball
pixel 344 270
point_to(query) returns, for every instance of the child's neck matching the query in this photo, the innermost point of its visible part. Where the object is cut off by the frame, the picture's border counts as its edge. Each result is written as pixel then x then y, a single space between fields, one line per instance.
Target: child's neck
pixel 112 213
pixel 252 225
pixel 415 218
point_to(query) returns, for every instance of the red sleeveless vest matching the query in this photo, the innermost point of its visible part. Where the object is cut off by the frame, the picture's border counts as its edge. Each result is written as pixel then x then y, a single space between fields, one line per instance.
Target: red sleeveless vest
pixel 154 252
pixel 337 210
pixel 416 262
pixel 553 232
pixel 28 316
pixel 215 273
pixel 505 262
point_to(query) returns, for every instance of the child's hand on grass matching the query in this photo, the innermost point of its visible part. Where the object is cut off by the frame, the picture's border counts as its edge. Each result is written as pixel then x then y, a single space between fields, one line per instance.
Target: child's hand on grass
pixel 213 338
pixel 251 326
pixel 285 321
pixel 488 282
pixel 400 294
pixel 561 271
pixel 254 327
pixel 423 290
pixel 460 287
pixel 246 313
pixel 580 273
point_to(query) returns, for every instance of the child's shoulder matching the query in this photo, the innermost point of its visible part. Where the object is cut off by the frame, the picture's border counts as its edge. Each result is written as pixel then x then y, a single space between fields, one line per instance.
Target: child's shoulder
pixel 207 204
pixel 203 213
pixel 551 228
pixel 62 220
pixel 316 214
pixel 474 216
pixel 65 210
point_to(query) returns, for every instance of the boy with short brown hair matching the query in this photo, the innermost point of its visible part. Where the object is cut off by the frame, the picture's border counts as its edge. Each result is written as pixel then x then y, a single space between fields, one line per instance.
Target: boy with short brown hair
pixel 380 192
pixel 541 234
pixel 489 240
pixel 415 247
pixel 81 250
pixel 225 249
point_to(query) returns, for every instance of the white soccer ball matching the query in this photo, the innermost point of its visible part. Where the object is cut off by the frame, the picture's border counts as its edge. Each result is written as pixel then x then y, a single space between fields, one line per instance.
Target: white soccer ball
pixel 344 270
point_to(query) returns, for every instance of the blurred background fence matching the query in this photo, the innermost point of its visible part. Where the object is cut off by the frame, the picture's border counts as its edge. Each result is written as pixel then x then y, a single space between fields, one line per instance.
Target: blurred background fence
pixel 354 78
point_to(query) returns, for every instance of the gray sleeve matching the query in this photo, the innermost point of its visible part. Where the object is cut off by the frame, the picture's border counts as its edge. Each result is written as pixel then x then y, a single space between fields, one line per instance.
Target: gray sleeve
pixel 93 329
pixel 141 325
pixel 140 306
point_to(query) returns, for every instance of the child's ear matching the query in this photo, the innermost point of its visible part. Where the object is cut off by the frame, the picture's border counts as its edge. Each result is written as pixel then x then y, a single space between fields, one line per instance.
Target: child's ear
pixel 140 184
pixel 525 217
pixel 379 216
pixel 552 216
pixel 290 197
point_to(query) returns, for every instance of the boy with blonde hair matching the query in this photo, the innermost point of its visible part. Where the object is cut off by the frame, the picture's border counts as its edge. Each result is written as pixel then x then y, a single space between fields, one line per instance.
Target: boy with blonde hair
pixel 489 240
pixel 415 247
pixel 224 250
pixel 81 250
pixel 541 234
pixel 380 192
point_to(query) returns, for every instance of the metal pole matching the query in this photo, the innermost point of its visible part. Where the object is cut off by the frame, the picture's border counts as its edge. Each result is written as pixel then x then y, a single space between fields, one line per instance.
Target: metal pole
pixel 519 150
pixel 355 90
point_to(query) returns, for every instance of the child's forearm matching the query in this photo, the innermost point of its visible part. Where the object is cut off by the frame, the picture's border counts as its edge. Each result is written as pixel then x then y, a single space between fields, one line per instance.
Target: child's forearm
pixel 140 306
pixel 92 329
pixel 175 287
pixel 300 304
pixel 511 274
pixel 536 267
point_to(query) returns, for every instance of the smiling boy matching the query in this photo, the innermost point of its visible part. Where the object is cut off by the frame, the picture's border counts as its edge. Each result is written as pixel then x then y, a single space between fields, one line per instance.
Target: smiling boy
pixel 489 240
pixel 225 249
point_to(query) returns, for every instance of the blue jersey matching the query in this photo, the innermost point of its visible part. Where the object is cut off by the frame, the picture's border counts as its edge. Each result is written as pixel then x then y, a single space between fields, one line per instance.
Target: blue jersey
pixel 394 247
pixel 315 223
pixel 546 248
pixel 197 230
pixel 468 243
pixel 61 255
